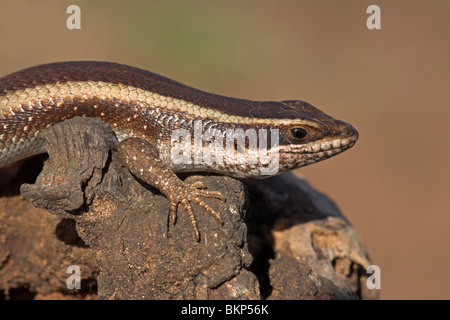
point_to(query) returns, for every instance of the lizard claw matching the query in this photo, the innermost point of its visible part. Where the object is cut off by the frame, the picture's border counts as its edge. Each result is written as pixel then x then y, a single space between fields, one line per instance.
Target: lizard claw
pixel 194 196
pixel 199 190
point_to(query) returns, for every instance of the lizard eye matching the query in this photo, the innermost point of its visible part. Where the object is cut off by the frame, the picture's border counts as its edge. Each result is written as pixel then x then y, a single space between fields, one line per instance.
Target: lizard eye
pixel 298 133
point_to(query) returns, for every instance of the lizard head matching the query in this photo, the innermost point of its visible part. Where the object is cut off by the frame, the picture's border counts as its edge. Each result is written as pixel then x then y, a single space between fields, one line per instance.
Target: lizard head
pixel 303 135
pixel 308 135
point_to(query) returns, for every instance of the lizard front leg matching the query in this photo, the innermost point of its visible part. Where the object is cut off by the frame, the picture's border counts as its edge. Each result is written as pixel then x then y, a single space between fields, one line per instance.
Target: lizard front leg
pixel 142 159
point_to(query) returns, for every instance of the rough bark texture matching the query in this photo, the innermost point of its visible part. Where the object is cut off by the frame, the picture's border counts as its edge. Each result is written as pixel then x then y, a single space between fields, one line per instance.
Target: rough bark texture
pixel 281 238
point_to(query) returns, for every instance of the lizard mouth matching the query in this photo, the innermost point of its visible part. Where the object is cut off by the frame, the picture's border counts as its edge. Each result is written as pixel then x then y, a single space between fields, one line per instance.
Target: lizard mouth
pixel 296 156
pixel 327 145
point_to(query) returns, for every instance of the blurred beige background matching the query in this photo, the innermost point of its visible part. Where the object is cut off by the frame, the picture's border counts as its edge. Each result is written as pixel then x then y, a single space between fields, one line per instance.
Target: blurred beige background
pixel 391 84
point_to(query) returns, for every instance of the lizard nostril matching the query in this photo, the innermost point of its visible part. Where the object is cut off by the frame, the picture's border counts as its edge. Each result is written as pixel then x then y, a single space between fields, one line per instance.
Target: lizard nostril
pixel 347 130
pixel 350 132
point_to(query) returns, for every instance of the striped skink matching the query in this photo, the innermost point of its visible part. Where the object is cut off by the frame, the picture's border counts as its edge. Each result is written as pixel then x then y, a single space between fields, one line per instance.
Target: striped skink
pixel 151 114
